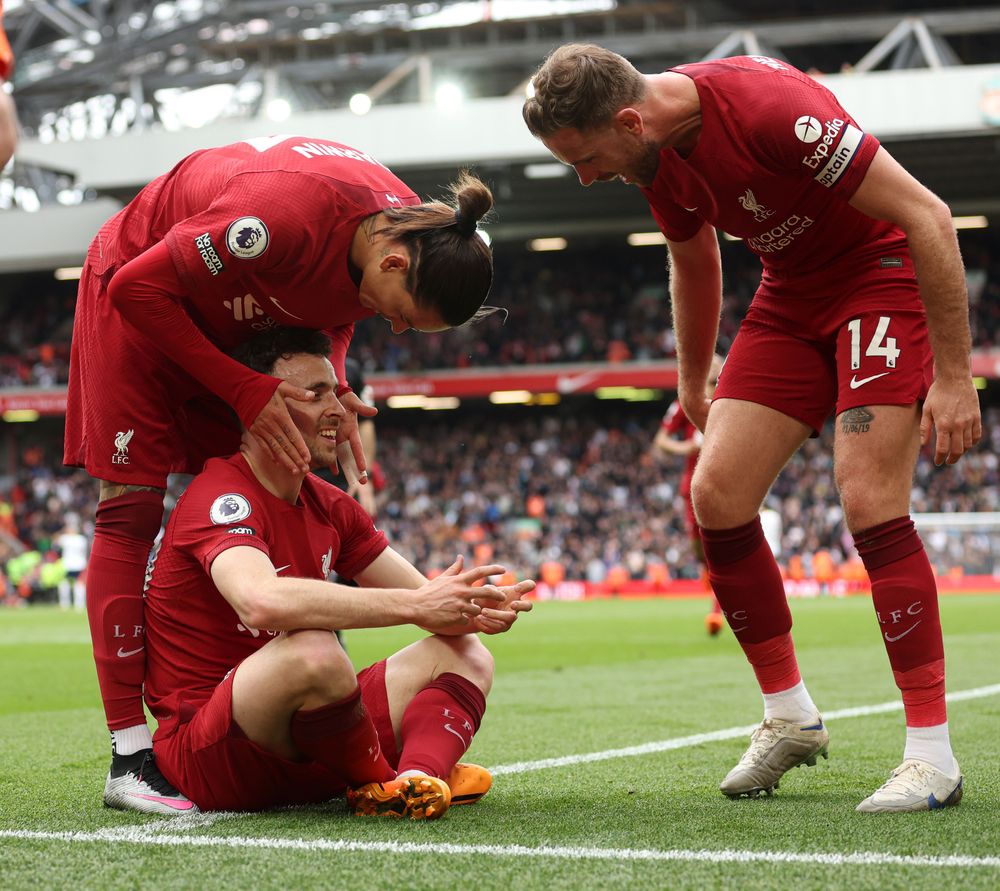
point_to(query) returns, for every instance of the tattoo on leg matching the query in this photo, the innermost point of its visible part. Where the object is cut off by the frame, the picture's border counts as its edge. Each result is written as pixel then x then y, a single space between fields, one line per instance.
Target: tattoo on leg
pixel 856 420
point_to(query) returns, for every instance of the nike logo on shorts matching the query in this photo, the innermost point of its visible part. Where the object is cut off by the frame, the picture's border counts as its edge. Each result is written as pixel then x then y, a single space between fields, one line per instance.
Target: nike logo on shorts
pixel 282 568
pixel 855 383
pixel 124 654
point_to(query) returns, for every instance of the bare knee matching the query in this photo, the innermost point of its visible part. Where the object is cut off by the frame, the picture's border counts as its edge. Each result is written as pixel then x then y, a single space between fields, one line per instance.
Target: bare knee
pixel 466 655
pixel 716 503
pixel 869 500
pixel 317 666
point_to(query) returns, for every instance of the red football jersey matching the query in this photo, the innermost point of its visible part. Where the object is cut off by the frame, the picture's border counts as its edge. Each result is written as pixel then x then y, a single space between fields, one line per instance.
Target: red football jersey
pixel 259 232
pixel 679 425
pixel 776 162
pixel 193 636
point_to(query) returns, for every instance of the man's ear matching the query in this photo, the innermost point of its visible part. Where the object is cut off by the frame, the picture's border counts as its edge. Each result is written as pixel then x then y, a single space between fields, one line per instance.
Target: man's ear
pixel 397 260
pixel 630 120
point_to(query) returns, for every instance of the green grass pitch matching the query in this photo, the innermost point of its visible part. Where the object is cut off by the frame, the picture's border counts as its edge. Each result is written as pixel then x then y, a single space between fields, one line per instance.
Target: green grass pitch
pixel 573 679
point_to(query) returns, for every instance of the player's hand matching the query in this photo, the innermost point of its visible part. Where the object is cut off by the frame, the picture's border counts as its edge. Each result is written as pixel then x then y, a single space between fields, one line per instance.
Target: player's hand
pixel 695 405
pixel 348 431
pixel 274 430
pixel 498 618
pixel 454 598
pixel 952 409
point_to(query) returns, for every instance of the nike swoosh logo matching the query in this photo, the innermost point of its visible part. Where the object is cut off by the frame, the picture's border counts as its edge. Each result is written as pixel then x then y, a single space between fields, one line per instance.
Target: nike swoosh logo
pixel 891 639
pixel 169 802
pixel 451 729
pixel 280 568
pixel 855 383
pixel 124 654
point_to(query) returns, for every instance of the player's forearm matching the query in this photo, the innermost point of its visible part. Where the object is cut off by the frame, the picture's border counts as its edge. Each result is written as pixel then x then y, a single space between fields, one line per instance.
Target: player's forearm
pixel 941 276
pixel 340 340
pixel 146 292
pixel 696 298
pixel 290 604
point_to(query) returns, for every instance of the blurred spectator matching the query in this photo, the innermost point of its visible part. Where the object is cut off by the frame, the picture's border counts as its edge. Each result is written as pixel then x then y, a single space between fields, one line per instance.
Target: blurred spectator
pixel 73 546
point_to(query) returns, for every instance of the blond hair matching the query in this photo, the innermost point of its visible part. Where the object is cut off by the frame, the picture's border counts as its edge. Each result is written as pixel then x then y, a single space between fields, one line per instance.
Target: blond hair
pixel 581 86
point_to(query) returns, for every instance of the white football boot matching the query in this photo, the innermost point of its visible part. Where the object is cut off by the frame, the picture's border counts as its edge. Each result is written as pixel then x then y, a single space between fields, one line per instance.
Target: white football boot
pixel 135 783
pixel 776 747
pixel 914 786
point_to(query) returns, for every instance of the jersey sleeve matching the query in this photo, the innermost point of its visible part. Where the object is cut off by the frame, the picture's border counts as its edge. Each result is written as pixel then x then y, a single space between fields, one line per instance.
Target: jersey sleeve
pixel 675 222
pixel 214 515
pixel 799 127
pixel 261 221
pixel 360 541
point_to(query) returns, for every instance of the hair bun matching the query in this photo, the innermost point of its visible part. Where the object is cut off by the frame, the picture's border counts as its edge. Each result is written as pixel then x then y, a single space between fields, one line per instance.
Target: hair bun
pixel 465 223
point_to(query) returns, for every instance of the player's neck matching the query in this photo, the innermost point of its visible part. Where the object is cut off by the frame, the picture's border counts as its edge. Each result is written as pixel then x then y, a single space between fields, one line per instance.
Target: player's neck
pixel 278 480
pixel 673 111
pixel 364 243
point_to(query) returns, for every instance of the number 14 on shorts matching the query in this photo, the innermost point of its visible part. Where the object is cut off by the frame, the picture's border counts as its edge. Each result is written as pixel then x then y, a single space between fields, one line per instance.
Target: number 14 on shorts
pixel 878 345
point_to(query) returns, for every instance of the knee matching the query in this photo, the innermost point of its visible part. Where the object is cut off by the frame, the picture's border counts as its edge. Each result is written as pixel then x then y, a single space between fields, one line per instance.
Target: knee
pixel 867 503
pixel 319 665
pixel 712 501
pixel 469 657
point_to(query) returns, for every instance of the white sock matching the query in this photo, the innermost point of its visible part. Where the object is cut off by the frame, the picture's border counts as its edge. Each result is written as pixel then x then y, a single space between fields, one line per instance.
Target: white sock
pixel 933 745
pixel 411 773
pixel 794 704
pixel 131 740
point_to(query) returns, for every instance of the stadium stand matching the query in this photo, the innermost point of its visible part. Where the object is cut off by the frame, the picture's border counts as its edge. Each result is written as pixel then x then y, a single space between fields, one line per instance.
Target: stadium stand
pixel 571 493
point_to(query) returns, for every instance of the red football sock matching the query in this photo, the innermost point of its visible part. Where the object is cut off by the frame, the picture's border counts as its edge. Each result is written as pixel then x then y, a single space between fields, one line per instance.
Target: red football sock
pixel 747 583
pixel 124 532
pixel 774 663
pixel 439 723
pixel 342 737
pixel 904 593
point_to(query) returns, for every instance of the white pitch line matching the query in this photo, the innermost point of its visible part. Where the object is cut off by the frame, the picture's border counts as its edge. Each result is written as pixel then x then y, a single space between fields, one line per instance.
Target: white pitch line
pixel 683 742
pixel 857 858
pixel 185 822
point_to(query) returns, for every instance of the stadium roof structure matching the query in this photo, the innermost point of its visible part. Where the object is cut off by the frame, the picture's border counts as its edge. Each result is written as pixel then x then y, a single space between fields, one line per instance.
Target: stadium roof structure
pixel 90 70
pixel 321 54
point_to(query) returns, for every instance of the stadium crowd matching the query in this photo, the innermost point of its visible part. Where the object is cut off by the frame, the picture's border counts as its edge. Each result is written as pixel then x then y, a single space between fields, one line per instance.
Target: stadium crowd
pixel 574 491
pixel 559 307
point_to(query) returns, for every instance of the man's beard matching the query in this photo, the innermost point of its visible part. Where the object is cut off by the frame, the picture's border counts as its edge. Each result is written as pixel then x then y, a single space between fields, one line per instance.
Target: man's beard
pixel 646 163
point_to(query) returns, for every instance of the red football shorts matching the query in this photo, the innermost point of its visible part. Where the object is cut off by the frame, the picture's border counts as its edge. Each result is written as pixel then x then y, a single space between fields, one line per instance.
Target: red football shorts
pixel 212 762
pixel 133 415
pixel 834 341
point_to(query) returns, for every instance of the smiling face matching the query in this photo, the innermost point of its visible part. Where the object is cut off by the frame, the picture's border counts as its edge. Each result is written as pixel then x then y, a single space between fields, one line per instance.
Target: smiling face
pixel 383 291
pixel 620 151
pixel 318 420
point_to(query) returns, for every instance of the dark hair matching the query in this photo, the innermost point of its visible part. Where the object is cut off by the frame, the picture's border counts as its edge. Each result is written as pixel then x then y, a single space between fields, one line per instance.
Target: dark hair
pixel 580 86
pixel 262 352
pixel 451 267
